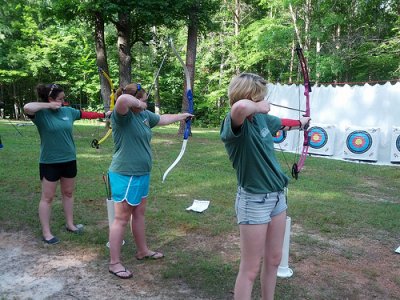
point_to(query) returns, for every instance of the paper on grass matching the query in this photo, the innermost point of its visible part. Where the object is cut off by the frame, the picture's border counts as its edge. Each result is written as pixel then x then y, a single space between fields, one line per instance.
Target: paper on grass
pixel 397 250
pixel 199 205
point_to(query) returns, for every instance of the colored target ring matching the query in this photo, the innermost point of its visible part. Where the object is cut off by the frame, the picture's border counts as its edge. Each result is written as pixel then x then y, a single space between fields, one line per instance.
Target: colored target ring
pixel 318 137
pixel 359 142
pixel 280 137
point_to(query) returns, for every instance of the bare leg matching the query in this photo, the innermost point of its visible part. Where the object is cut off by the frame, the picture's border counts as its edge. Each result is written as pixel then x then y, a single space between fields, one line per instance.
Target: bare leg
pixel 122 212
pixel 47 197
pixel 138 228
pixel 67 193
pixel 252 241
pixel 272 255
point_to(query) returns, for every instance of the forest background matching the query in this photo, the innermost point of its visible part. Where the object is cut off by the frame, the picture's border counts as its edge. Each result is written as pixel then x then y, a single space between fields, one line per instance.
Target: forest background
pixel 66 41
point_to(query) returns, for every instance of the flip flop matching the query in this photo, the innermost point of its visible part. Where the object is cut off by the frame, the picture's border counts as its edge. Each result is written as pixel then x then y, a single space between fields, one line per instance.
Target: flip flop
pixel 53 241
pixel 121 271
pixel 78 230
pixel 155 255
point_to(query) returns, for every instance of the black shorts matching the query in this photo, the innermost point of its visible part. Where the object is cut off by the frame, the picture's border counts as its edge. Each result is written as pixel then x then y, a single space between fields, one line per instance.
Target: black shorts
pixel 53 172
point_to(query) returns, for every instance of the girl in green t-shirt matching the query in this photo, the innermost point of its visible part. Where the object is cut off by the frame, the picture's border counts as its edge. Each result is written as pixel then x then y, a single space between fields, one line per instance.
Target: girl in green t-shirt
pixel 57 163
pixel 130 171
pixel 247 133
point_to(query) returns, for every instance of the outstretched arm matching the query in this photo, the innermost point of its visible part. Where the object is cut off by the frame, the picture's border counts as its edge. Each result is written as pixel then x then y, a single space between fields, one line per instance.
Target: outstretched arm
pixel 172 118
pixel 92 115
pixel 289 124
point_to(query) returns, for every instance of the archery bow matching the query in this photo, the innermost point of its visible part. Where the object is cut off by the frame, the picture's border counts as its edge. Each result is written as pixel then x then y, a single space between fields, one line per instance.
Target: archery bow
pixel 96 143
pixel 296 168
pixel 189 96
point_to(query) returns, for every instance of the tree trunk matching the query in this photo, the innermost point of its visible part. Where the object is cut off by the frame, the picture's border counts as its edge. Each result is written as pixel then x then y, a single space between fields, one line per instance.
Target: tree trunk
pixel 124 49
pixel 237 28
pixel 101 59
pixel 191 50
pixel 296 29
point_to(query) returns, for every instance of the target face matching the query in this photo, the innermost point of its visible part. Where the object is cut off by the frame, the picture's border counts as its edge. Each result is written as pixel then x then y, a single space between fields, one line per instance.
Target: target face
pixel 398 143
pixel 359 142
pixel 280 137
pixel 318 137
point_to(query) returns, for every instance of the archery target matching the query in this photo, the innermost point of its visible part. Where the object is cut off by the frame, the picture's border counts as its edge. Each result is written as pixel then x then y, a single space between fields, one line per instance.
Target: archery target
pixel 283 140
pixel 280 137
pixel 322 138
pixel 362 144
pixel 359 142
pixel 318 137
pixel 395 147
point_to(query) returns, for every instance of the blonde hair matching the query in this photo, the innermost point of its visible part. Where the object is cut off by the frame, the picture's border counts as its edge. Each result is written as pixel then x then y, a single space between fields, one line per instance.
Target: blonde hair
pixel 133 89
pixel 247 86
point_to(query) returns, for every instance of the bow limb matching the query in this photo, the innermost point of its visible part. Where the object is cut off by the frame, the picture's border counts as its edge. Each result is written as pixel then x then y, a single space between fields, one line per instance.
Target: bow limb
pixel 297 167
pixel 112 89
pixel 96 143
pixel 188 121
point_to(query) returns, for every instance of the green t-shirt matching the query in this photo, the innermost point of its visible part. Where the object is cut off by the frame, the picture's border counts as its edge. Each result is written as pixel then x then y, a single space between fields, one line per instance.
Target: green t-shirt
pixel 55 130
pixel 251 151
pixel 132 136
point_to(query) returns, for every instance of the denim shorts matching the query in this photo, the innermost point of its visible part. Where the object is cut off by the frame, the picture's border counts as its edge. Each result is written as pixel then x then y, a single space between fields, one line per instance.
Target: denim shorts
pixel 131 189
pixel 254 209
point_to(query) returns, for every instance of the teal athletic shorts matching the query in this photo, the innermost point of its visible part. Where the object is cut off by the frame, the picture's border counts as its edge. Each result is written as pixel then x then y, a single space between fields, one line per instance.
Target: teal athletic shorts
pixel 132 189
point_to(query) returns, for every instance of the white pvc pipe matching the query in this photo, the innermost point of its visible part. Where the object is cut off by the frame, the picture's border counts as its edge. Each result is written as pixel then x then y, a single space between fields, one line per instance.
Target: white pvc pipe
pixel 110 211
pixel 283 270
pixel 110 215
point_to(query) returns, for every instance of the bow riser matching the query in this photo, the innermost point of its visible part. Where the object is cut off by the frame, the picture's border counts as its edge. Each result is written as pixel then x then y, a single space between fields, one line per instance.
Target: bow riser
pixel 297 167
pixel 188 121
pixel 96 143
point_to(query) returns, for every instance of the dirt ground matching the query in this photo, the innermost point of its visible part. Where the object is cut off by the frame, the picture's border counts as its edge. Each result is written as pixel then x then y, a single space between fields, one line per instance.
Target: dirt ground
pixel 31 270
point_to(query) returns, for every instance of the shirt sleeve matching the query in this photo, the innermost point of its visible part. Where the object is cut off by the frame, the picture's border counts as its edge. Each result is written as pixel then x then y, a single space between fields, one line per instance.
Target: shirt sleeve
pixel 75 113
pixel 274 124
pixel 226 132
pixel 120 119
pixel 153 118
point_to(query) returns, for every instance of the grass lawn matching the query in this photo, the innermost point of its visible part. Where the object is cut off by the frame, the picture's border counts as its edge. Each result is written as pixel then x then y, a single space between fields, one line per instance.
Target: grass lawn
pixel 345 216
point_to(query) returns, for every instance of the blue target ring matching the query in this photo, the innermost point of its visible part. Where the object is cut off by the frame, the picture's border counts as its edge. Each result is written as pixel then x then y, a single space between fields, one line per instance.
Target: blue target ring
pixel 280 137
pixel 359 142
pixel 398 143
pixel 318 137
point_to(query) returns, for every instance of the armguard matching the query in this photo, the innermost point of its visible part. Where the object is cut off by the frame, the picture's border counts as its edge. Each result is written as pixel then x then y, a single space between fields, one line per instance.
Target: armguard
pixel 290 123
pixel 92 115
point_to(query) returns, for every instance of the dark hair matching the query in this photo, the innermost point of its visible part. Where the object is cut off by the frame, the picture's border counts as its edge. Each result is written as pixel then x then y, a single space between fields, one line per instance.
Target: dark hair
pixel 45 91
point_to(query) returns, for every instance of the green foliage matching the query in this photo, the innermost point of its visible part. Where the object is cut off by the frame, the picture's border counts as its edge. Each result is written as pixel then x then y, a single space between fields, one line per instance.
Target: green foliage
pixel 52 41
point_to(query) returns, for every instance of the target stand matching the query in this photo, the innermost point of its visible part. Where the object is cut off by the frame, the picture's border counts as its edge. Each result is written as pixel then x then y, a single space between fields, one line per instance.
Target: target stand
pixel 322 139
pixel 361 144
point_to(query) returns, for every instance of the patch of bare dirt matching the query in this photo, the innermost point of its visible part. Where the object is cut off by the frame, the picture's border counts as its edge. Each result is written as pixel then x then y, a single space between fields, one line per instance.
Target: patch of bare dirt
pixel 354 268
pixel 31 270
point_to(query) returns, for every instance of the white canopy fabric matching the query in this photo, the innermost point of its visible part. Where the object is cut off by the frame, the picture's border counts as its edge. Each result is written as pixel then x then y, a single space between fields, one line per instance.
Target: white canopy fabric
pixel 373 110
